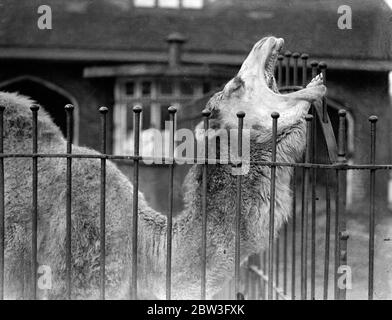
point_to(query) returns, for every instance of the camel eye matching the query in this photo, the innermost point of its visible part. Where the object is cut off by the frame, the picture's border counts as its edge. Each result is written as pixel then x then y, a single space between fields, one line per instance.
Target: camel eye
pixel 238 83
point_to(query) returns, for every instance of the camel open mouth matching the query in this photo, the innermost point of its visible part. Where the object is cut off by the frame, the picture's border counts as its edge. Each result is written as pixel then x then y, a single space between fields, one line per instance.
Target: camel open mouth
pixel 270 64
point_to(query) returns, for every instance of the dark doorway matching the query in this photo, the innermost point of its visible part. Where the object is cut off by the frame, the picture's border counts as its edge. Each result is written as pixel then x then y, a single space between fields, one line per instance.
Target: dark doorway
pixel 52 101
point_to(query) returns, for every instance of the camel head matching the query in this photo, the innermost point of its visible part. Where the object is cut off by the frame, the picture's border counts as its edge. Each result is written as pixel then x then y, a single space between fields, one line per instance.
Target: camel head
pixel 254 91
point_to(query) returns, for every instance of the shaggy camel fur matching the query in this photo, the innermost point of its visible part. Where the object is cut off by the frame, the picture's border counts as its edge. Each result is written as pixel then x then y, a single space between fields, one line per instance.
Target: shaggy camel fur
pixel 253 90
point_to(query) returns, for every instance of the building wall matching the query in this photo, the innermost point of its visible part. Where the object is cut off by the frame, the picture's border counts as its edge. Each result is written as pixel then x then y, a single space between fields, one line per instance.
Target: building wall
pixel 89 94
pixel 361 93
pixel 364 94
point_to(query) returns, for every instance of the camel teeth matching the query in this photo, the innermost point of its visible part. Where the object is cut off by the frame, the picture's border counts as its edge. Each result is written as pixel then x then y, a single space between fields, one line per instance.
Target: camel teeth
pixel 319 77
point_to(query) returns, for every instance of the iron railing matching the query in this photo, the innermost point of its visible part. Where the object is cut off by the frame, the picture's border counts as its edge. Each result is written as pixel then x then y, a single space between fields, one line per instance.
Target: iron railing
pixel 263 277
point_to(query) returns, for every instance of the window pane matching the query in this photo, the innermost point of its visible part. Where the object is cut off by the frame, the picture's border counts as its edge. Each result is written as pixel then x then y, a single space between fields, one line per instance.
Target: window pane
pixel 146 88
pixel 146 117
pixel 193 4
pixel 144 3
pixel 186 88
pixel 206 87
pixel 169 3
pixel 165 116
pixel 130 88
pixel 166 87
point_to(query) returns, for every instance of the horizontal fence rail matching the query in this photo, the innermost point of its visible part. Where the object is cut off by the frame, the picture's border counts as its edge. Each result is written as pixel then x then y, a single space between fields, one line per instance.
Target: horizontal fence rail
pixel 269 281
pixel 282 270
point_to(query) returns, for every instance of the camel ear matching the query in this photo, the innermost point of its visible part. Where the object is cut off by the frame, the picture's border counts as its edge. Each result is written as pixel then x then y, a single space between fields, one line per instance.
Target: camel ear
pixel 234 87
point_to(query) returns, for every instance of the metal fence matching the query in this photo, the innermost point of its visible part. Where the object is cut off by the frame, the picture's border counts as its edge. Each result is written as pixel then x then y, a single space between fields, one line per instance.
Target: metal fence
pixel 265 275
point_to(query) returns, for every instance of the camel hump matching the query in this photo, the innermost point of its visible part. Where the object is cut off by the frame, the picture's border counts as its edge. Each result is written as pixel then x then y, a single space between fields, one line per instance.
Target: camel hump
pixel 18 123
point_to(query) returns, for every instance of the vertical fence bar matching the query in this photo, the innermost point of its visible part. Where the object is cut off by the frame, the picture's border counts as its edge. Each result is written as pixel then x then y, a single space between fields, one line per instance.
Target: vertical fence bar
pixel 304 58
pixel 250 284
pixel 206 113
pixel 277 265
pixel 313 228
pixel 135 204
pixel 295 68
pixel 34 217
pixel 68 239
pixel 169 235
pixel 264 266
pixel 2 211
pixel 275 117
pixel 302 235
pixel 102 214
pixel 238 295
pixel 327 234
pixel 246 275
pixel 336 235
pixel 280 70
pixel 304 220
pixel 341 202
pixel 323 68
pixel 285 244
pixel 314 65
pixel 255 260
pixel 260 281
pixel 294 234
pixel 288 56
pixel 372 208
pixel 257 279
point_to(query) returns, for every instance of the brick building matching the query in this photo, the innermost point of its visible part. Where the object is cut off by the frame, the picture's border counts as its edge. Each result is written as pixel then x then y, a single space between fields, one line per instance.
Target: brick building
pixel 118 53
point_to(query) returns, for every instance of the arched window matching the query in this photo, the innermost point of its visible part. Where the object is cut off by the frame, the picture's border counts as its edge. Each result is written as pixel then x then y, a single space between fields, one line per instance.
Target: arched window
pixel 50 96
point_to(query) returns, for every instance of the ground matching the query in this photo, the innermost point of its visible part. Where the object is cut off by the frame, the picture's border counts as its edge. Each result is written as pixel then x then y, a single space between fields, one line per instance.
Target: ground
pixel 358 255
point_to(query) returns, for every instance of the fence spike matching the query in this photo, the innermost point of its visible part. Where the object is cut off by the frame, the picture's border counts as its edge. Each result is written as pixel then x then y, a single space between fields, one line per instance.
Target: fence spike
pixel 296 55
pixel 372 209
pixel 323 68
pixel 172 111
pixel 274 117
pixel 102 216
pixel 294 234
pixel 304 214
pixel 34 217
pixel 69 112
pixel 304 58
pixel 340 224
pixel 137 110
pixel 287 54
pixel 280 70
pixel 238 295
pixel 206 114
